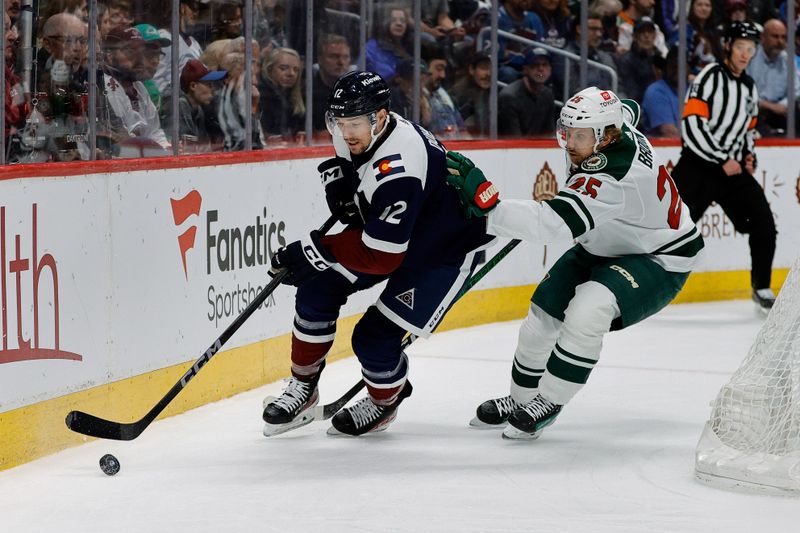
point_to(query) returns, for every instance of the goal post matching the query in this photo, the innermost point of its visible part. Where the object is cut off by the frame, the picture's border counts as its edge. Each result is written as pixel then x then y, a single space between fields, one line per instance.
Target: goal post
pixel 752 439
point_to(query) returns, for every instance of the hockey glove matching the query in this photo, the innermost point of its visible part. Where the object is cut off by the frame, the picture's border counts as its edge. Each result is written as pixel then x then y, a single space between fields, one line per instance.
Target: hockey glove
pixel 303 260
pixel 339 190
pixel 477 194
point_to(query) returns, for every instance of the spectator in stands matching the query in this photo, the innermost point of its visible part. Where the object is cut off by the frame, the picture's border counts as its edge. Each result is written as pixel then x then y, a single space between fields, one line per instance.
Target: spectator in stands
pixel 770 71
pixel 391 41
pixel 283 109
pixel 227 22
pixel 556 20
pixel 127 97
pixel 268 24
pixel 471 95
pixel 402 91
pixel 198 85
pixel 635 67
pixel 215 53
pixel 14 99
pixel 660 104
pixel 231 104
pixel 701 36
pixel 626 21
pixel 333 54
pixel 595 77
pixel 103 22
pixel 13 9
pixel 514 17
pixel 436 23
pixel 188 46
pixel 446 121
pixel 527 106
pixel 119 13
pixel 608 11
pixel 63 39
pixel 154 44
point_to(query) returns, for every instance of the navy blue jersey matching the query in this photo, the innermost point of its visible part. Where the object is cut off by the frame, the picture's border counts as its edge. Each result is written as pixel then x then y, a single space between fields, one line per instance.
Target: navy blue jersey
pixel 410 215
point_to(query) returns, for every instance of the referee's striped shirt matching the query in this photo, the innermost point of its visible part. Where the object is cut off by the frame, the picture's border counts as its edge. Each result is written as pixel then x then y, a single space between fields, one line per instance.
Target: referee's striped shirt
pixel 720 114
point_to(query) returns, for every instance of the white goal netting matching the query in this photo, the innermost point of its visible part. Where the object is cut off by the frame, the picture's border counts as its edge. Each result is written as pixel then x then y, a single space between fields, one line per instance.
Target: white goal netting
pixel 752 440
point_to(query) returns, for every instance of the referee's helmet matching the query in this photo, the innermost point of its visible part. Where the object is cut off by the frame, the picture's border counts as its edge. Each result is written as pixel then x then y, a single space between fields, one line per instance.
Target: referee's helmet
pixel 591 108
pixel 742 30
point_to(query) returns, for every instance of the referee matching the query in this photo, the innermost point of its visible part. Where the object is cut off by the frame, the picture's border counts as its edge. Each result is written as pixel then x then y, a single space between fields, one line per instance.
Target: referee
pixel 717 162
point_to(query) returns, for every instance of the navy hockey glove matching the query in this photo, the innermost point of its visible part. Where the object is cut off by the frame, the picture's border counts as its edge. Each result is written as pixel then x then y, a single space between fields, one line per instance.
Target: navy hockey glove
pixel 339 190
pixel 477 194
pixel 303 260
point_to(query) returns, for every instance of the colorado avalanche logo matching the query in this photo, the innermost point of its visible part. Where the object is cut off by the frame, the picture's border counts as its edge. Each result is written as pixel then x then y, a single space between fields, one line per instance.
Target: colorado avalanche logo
pixel 545 187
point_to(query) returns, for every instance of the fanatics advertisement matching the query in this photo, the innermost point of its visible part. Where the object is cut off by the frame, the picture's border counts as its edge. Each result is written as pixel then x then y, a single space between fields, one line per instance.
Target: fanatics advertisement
pixel 109 276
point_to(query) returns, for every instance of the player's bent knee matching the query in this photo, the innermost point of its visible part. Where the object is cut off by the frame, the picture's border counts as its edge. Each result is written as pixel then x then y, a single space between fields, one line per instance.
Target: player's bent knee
pixel 592 309
pixel 376 340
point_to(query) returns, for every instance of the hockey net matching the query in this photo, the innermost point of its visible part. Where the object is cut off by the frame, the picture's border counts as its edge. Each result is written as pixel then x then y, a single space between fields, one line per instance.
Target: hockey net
pixel 752 440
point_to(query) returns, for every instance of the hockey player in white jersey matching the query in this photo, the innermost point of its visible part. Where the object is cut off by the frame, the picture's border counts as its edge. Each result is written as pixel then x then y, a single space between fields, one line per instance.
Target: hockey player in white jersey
pixel 636 245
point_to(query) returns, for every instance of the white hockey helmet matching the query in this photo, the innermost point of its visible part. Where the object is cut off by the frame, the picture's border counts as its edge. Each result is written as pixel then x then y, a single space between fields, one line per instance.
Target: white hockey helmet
pixel 590 108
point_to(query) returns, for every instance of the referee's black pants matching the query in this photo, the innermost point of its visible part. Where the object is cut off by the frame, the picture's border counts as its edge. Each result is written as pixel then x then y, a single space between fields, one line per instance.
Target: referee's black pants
pixel 701 182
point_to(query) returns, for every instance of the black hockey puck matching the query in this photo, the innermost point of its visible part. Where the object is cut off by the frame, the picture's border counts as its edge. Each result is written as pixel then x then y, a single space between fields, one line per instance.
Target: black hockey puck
pixel 109 464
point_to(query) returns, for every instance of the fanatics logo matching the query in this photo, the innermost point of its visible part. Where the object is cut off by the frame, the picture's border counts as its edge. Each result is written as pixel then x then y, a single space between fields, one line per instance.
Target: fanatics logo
pixel 182 209
pixel 387 166
pixel 407 298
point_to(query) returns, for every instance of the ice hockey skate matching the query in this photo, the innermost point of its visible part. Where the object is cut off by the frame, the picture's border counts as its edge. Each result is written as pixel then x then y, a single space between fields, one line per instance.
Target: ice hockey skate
pixel 493 413
pixel 764 299
pixel 529 420
pixel 366 416
pixel 293 408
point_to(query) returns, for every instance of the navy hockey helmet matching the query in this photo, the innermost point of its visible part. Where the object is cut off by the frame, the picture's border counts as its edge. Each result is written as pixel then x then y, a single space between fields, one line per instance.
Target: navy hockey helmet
pixel 742 30
pixel 358 93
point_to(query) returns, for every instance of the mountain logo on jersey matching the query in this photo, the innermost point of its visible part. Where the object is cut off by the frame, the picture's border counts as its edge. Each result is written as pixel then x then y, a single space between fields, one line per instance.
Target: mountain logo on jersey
pixel 388 166
pixel 407 298
pixel 594 162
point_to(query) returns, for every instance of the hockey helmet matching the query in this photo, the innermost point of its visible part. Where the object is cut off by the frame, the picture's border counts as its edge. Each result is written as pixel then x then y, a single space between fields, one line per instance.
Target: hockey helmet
pixel 743 30
pixel 358 93
pixel 590 108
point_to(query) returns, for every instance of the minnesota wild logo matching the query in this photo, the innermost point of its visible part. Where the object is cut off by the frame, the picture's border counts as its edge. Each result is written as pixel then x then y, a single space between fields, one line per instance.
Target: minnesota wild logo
pixel 594 162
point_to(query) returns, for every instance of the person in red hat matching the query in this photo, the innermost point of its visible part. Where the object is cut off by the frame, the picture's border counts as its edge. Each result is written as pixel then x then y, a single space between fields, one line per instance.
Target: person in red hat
pixel 198 86
pixel 127 97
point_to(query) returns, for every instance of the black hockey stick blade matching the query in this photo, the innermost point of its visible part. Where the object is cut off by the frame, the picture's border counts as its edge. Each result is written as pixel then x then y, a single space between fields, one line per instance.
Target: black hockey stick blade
pixel 94 426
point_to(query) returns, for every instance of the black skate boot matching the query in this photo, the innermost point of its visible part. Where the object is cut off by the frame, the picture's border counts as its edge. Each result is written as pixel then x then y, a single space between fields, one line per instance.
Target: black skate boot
pixel 366 416
pixel 528 421
pixel 293 408
pixel 493 413
pixel 764 299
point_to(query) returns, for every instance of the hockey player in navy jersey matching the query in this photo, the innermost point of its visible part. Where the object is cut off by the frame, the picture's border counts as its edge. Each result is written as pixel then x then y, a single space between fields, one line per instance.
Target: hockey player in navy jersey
pixel 404 225
pixel 636 245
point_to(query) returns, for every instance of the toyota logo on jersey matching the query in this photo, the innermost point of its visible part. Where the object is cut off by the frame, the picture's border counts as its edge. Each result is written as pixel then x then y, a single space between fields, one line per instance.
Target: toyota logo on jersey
pixel 387 166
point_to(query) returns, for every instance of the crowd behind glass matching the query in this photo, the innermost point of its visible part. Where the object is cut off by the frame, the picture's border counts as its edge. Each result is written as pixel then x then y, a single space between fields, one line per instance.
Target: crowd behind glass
pixel 137 96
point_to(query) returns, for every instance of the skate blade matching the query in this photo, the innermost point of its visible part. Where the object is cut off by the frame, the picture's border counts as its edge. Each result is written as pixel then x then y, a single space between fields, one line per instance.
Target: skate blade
pixel 270 430
pixel 512 433
pixel 333 432
pixel 477 423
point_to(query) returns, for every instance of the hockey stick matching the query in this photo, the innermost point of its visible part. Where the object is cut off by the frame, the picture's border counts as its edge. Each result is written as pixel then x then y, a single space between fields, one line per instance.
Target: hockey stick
pixel 93 426
pixel 324 412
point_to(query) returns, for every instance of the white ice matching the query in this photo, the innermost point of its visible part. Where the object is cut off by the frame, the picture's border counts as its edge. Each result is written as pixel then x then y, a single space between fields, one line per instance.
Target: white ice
pixel 619 458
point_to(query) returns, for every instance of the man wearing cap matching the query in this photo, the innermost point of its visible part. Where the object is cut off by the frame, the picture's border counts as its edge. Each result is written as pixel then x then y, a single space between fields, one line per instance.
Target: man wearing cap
pixel 626 23
pixel 446 121
pixel 635 67
pixel 188 47
pixel 151 57
pixel 402 89
pixel 527 106
pixel 197 92
pixel 126 95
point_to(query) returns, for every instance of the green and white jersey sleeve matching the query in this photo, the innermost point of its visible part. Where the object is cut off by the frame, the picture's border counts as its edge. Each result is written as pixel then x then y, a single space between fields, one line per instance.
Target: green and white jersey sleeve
pixel 618 202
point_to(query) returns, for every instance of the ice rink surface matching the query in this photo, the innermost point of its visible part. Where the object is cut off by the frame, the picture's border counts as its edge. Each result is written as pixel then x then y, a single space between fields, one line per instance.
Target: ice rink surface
pixel 619 458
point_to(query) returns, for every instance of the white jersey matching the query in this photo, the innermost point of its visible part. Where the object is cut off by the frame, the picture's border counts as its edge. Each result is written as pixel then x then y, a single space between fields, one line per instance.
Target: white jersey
pixel 140 122
pixel 618 202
